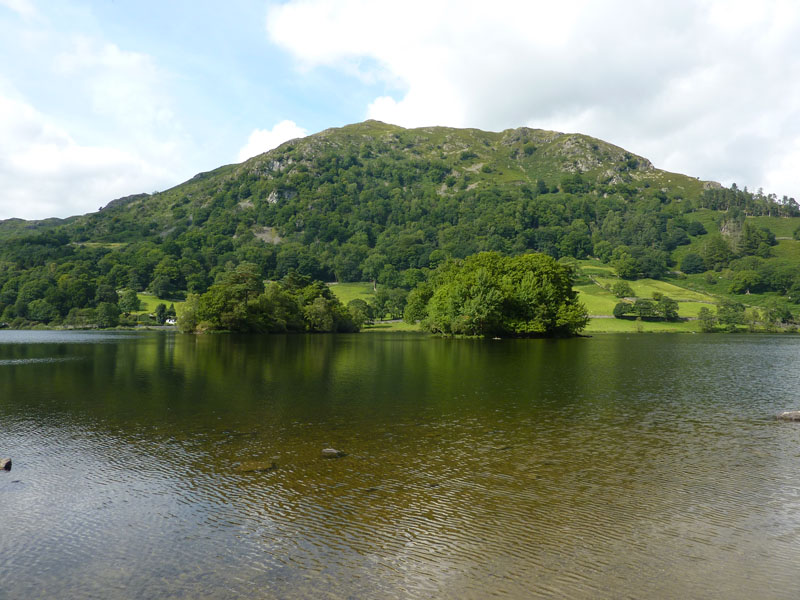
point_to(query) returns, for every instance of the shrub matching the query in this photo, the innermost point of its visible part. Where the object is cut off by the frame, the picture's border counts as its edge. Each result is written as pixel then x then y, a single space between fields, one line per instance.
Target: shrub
pixel 622 309
pixel 622 289
pixel 696 228
pixel 693 263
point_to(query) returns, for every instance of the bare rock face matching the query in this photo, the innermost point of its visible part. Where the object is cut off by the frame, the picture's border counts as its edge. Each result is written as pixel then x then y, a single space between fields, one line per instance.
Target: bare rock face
pixel 332 453
pixel 5 464
pixel 790 415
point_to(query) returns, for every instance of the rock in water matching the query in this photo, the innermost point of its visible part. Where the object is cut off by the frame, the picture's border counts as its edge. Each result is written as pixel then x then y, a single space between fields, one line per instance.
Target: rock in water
pixel 257 466
pixel 5 464
pixel 790 415
pixel 332 453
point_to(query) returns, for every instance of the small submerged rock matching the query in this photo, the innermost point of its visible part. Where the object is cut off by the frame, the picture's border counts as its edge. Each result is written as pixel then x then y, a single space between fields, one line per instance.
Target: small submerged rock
pixel 790 415
pixel 257 466
pixel 5 464
pixel 332 453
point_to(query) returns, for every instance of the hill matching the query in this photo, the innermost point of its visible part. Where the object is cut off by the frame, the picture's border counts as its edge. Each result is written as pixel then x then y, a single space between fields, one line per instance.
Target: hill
pixel 372 201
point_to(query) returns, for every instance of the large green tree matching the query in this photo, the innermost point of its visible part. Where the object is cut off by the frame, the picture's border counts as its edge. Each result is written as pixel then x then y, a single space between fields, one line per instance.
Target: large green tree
pixel 226 304
pixel 490 294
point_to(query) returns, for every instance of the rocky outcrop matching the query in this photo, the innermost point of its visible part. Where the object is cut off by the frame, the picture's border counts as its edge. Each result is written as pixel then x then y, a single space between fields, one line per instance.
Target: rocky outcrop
pixel 5 464
pixel 119 202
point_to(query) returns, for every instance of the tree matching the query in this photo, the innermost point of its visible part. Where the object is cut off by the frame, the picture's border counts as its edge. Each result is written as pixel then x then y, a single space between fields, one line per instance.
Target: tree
pixel 372 267
pixel 541 186
pixel 225 304
pixel 161 313
pixel 602 250
pixel 360 312
pixel 707 320
pixel 105 293
pixel 667 308
pixel 42 310
pixel 107 315
pixel 417 302
pixel 752 317
pixel 80 318
pixel 187 322
pixel 692 263
pixel 490 294
pixel 391 301
pixel 644 308
pixel 129 301
pixel 319 315
pixel 622 309
pixel 624 263
pixel 716 252
pixel 743 282
pixel 651 262
pixel 730 313
pixel 167 278
pixel 622 289
pixel 775 313
pixel 696 228
pixel 756 240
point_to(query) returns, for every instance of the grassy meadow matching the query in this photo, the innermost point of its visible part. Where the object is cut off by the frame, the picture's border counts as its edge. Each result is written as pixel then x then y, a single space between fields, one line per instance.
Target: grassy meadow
pixel 346 292
pixel 362 290
pixel 148 303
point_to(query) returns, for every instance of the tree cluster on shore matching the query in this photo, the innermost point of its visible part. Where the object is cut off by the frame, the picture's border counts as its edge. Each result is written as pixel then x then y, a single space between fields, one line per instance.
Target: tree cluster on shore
pixel 732 316
pixel 240 301
pixel 489 294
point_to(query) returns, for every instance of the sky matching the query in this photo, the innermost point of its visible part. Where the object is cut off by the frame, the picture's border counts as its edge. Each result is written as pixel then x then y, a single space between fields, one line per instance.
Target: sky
pixel 99 100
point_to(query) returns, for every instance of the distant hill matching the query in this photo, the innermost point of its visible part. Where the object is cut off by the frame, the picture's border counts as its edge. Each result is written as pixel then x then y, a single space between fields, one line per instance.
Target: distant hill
pixel 372 201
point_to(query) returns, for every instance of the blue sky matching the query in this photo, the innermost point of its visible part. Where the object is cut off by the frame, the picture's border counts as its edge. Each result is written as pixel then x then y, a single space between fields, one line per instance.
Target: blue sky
pixel 104 99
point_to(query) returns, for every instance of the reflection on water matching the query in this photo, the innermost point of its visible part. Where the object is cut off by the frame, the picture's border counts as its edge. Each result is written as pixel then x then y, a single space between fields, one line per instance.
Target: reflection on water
pixel 28 361
pixel 618 466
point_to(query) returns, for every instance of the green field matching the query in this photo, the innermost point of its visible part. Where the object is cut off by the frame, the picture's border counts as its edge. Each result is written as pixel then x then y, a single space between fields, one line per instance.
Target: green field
pixel 346 292
pixel 149 303
pixel 787 249
pixel 600 302
pixel 612 325
pixel 597 300
pixel 782 227
pixel 391 326
pixel 645 288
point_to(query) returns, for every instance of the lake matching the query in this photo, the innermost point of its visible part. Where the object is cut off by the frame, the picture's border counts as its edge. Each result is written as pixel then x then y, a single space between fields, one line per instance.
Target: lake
pixel 157 465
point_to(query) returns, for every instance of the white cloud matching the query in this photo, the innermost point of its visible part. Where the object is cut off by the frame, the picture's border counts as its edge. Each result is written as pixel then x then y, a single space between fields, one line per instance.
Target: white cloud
pixel 708 88
pixel 111 132
pixel 124 89
pixel 262 140
pixel 45 172
pixel 23 8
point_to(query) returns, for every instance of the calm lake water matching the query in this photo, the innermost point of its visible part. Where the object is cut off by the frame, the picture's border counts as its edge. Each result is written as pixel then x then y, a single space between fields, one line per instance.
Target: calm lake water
pixel 613 467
